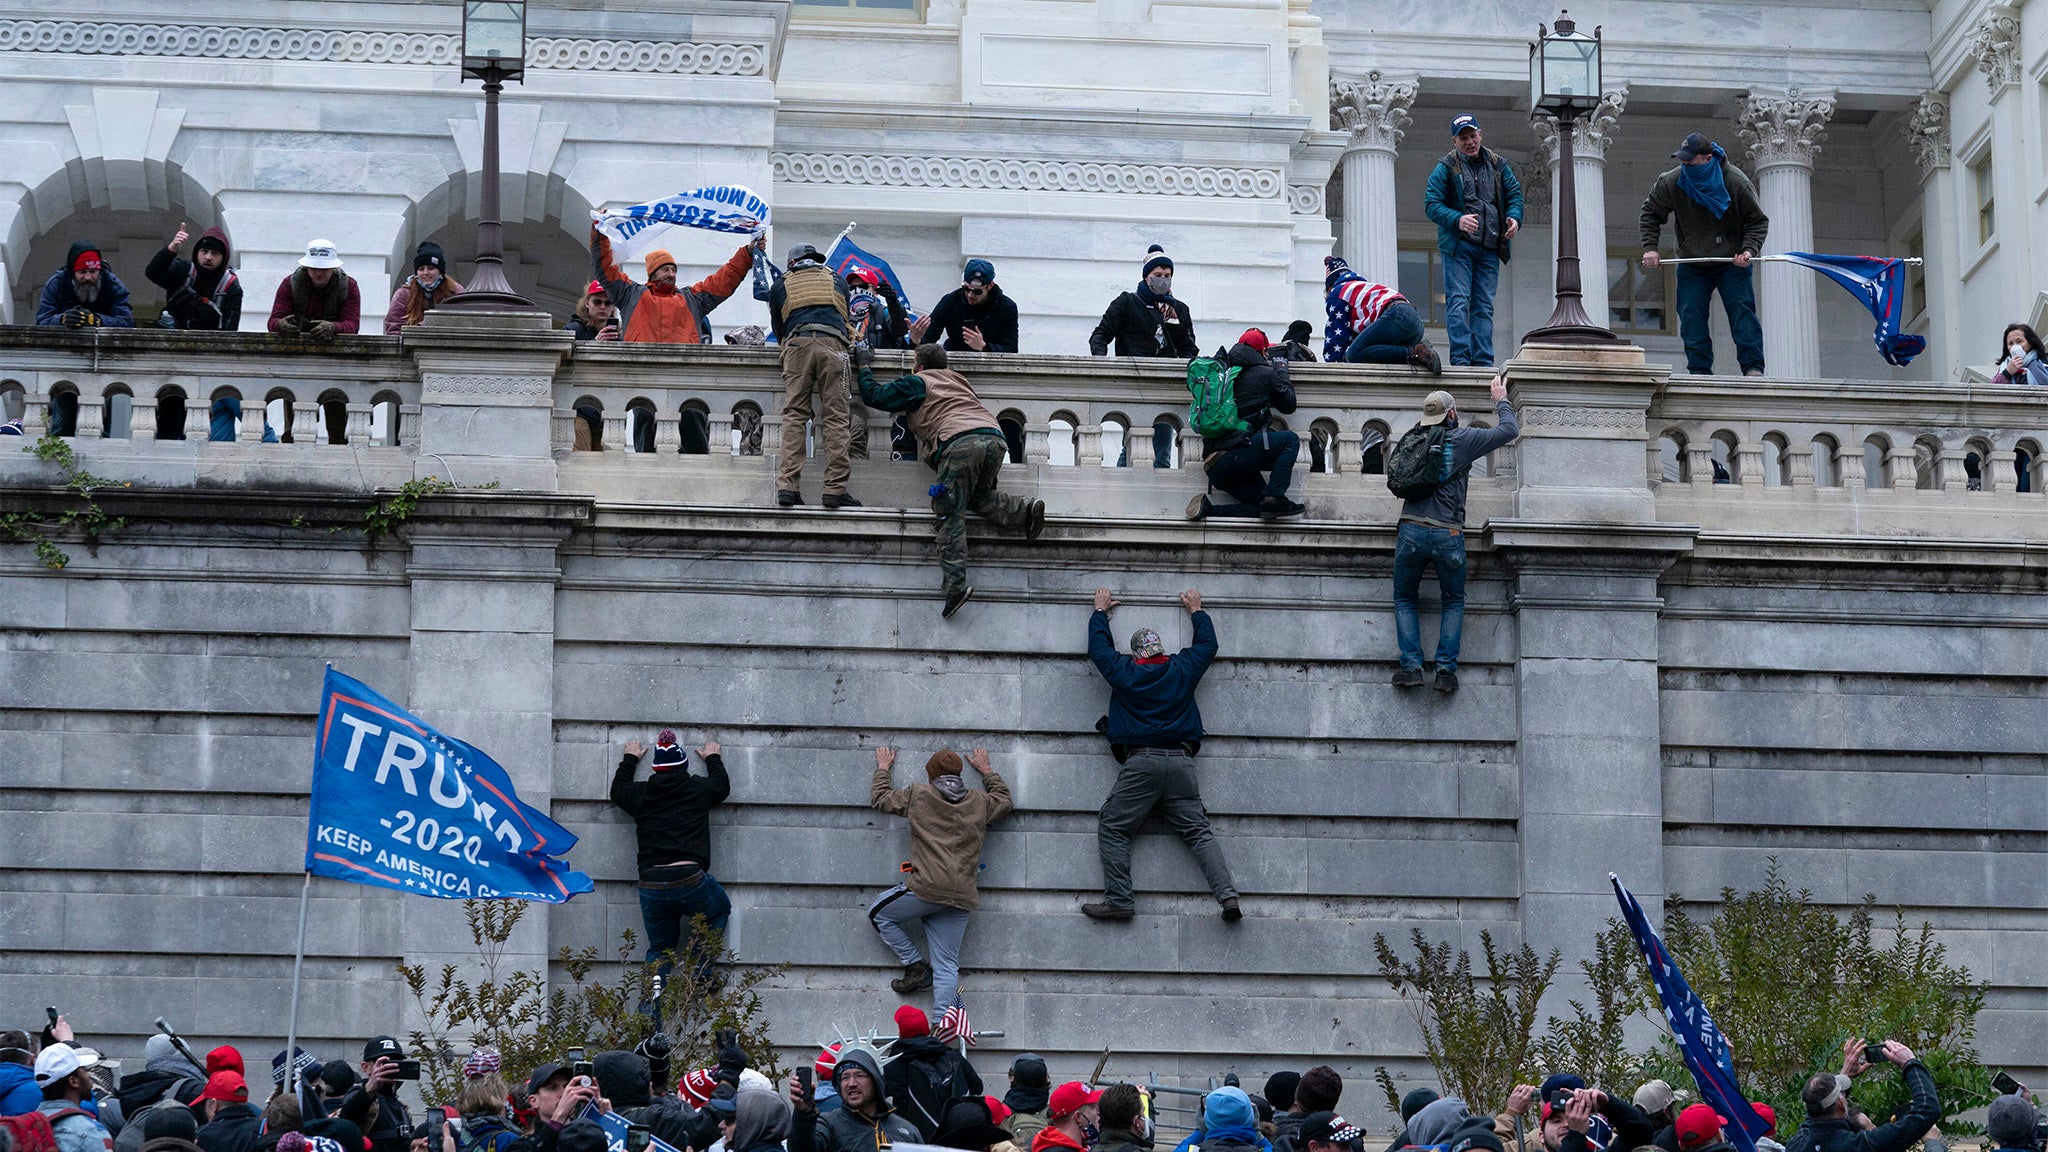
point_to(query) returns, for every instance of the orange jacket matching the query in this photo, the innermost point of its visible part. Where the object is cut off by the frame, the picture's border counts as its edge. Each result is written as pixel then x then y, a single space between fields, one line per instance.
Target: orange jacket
pixel 649 315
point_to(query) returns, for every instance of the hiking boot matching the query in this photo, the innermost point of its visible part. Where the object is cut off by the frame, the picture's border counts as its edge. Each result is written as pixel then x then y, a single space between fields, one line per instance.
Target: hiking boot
pixel 1231 912
pixel 1198 508
pixel 1446 681
pixel 837 500
pixel 1407 677
pixel 1103 910
pixel 916 978
pixel 1424 357
pixel 788 498
pixel 1279 508
pixel 955 599
pixel 1034 520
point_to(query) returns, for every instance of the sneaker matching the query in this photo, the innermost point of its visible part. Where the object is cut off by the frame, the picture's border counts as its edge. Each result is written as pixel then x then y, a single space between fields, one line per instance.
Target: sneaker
pixel 1754 372
pixel 1279 508
pixel 838 500
pixel 1198 508
pixel 1407 677
pixel 1034 520
pixel 955 599
pixel 1424 357
pixel 1231 912
pixel 916 978
pixel 1103 910
pixel 788 498
pixel 1446 681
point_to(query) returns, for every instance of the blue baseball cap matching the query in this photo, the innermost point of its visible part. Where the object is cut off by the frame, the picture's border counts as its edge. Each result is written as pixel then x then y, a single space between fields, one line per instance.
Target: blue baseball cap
pixel 1463 122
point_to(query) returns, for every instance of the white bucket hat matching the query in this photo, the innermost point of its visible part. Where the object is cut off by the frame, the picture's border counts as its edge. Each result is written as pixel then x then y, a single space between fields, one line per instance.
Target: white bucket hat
pixel 320 254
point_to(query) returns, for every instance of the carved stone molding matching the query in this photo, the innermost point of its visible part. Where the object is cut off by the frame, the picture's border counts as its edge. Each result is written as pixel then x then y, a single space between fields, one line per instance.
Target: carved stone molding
pixel 1591 134
pixel 1305 199
pixel 1374 110
pixel 107 37
pixel 1927 132
pixel 1785 127
pixel 1027 175
pixel 1995 42
pixel 1619 419
pixel 450 384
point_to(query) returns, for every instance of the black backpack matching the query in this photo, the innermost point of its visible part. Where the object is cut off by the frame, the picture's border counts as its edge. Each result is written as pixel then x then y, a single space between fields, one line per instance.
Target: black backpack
pixel 1420 461
pixel 928 1087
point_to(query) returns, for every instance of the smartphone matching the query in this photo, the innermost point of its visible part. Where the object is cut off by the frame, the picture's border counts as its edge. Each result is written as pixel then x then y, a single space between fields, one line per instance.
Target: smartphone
pixel 638 1136
pixel 804 1076
pixel 52 1010
pixel 2005 1084
pixel 437 1122
pixel 1873 1051
pixel 408 1069
pixel 579 1064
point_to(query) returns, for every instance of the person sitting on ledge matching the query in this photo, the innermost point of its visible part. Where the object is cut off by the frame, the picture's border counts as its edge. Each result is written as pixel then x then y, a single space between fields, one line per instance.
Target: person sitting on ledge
pixel 84 293
pixel 318 301
pixel 1234 461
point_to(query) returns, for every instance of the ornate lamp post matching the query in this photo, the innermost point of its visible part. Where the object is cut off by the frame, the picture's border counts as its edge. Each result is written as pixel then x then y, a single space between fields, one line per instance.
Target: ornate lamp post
pixel 494 51
pixel 1564 80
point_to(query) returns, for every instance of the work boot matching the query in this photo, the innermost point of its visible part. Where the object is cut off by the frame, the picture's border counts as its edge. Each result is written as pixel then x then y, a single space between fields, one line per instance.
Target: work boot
pixel 955 599
pixel 1231 912
pixel 1424 357
pixel 1446 681
pixel 1279 508
pixel 788 498
pixel 1198 508
pixel 837 500
pixel 1104 910
pixel 1407 677
pixel 916 978
pixel 1034 520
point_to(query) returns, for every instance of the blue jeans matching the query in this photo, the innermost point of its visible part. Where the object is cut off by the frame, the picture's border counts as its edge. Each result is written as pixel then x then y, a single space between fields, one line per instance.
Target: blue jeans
pixel 1470 274
pixel 667 912
pixel 1238 471
pixel 1387 339
pixel 1696 286
pixel 1415 546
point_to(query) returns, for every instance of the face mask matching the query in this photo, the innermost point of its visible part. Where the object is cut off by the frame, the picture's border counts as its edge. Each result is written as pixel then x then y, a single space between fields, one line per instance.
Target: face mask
pixel 1089 1133
pixel 1160 285
pixel 1146 1129
pixel 2016 349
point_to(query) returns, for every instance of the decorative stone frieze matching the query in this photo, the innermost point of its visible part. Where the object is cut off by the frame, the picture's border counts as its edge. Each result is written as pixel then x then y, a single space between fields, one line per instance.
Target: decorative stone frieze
pixel 990 172
pixel 1305 199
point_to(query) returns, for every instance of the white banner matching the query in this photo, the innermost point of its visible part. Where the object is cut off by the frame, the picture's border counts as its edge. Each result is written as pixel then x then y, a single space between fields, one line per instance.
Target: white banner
pixel 719 208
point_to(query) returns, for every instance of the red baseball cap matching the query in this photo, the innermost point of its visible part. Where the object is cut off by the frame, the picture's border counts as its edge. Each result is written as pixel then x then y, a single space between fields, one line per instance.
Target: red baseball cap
pixel 998 1112
pixel 225 1086
pixel 1698 1124
pixel 1769 1114
pixel 1070 1097
pixel 1255 339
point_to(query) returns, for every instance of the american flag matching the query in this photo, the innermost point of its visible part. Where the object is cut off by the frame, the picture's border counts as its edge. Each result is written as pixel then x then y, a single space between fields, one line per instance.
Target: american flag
pixel 953 1027
pixel 1351 305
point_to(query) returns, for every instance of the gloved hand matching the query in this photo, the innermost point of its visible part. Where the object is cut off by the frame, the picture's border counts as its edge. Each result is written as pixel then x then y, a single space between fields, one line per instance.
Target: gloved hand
pixel 731 1062
pixel 289 326
pixel 323 330
pixel 863 354
pixel 81 318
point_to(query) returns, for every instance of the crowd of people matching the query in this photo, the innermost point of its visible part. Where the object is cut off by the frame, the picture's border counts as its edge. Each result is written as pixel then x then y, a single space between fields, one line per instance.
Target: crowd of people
pixel 870 1093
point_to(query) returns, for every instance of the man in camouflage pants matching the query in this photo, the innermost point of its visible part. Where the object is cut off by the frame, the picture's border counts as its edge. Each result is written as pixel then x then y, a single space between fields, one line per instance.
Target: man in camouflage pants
pixel 964 444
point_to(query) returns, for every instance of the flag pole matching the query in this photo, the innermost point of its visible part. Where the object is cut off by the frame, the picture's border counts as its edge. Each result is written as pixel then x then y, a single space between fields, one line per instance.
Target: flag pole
pixel 1913 260
pixel 291 1038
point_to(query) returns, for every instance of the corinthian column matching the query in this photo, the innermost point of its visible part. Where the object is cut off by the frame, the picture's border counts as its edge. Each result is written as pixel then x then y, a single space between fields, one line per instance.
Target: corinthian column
pixel 1373 110
pixel 1784 131
pixel 1590 137
pixel 1927 136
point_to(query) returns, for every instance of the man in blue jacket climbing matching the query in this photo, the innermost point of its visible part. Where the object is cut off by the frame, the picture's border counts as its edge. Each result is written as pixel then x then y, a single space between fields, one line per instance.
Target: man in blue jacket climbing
pixel 1154 731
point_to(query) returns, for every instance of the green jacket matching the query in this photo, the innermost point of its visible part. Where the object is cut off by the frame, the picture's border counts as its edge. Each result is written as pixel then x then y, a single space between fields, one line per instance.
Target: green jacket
pixel 1444 199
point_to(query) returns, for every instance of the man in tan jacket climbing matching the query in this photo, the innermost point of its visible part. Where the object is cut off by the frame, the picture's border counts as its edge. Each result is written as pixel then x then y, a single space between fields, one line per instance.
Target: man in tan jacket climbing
pixel 948 821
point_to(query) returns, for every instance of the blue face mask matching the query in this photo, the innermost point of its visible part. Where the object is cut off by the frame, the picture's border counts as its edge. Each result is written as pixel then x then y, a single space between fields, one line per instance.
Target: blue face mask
pixel 1089 1134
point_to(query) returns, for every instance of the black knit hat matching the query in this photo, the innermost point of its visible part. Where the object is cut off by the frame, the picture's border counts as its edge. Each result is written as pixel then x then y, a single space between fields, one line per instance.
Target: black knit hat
pixel 1156 257
pixel 430 253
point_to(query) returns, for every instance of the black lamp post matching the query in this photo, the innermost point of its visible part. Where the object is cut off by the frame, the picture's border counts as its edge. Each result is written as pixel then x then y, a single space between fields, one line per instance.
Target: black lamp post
pixel 1564 80
pixel 494 51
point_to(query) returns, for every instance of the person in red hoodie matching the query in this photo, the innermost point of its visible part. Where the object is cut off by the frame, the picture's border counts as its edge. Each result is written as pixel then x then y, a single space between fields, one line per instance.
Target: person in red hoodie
pixel 1072 1108
pixel 658 312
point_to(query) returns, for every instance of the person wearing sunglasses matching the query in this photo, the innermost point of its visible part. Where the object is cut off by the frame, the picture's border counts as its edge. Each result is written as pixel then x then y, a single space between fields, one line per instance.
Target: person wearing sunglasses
pixel 975 317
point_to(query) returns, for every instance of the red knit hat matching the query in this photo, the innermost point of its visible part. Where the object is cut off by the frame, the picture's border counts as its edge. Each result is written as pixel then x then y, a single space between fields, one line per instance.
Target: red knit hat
pixel 1255 339
pixel 697 1087
pixel 911 1021
pixel 828 1059
pixel 88 259
pixel 225 1058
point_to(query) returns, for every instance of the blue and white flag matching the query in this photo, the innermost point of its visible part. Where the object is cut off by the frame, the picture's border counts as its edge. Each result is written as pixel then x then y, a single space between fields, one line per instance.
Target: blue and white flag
pixel 615 1126
pixel 846 258
pixel 399 805
pixel 718 207
pixel 1705 1049
pixel 1880 283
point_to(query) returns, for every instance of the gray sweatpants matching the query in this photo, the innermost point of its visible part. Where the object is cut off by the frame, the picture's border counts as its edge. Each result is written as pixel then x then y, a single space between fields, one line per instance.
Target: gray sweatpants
pixel 944 928
pixel 1165 779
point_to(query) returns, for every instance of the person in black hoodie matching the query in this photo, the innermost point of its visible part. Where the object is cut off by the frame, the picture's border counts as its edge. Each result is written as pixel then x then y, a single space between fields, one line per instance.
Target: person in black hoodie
pixel 975 317
pixel 924 1073
pixel 1236 461
pixel 204 294
pixel 671 812
pixel 1149 321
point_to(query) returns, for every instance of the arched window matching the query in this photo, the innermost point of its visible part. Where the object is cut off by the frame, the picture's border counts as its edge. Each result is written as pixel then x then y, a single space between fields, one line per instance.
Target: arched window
pixel 1116 447
pixel 640 424
pixel 1322 445
pixel 119 415
pixel 1827 473
pixel 223 415
pixel 1012 423
pixel 746 428
pixel 2026 457
pixel 13 401
pixel 693 428
pixel 334 416
pixel 589 424
pixel 1977 466
pixel 1926 462
pixel 63 418
pixel 1877 464
pixel 384 418
pixel 1059 441
pixel 170 413
pixel 1727 465
pixel 1672 462
pixel 1166 441
pixel 1373 446
pixel 277 416
pixel 1777 460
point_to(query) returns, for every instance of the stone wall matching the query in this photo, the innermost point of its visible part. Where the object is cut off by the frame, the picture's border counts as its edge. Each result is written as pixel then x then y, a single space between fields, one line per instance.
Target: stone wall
pixel 1674 681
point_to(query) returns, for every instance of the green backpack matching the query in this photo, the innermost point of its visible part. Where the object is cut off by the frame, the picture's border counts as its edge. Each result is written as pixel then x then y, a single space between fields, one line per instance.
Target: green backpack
pixel 1213 410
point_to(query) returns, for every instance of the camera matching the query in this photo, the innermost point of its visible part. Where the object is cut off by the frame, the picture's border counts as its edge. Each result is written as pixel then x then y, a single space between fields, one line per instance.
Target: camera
pixel 580 1065
pixel 408 1069
pixel 638 1136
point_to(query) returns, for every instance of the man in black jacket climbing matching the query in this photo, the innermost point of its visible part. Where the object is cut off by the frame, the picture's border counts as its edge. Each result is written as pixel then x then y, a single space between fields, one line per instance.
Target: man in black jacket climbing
pixel 1237 462
pixel 671 813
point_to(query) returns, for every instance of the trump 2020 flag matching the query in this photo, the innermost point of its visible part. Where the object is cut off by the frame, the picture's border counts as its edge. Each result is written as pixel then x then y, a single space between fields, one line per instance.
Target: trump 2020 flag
pixel 1705 1049
pixel 1880 283
pixel 399 805
pixel 615 1127
pixel 846 258
pixel 718 207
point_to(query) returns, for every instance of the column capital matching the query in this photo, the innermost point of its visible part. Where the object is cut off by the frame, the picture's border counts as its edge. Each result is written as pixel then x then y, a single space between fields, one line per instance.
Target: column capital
pixel 1591 133
pixel 1995 42
pixel 1927 132
pixel 1373 109
pixel 1785 126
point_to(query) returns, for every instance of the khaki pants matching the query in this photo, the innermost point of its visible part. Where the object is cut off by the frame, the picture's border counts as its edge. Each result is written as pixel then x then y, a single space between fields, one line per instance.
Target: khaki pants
pixel 814 364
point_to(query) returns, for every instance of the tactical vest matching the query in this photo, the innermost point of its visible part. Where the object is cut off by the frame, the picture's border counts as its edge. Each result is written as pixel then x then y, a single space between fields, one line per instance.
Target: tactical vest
pixel 810 287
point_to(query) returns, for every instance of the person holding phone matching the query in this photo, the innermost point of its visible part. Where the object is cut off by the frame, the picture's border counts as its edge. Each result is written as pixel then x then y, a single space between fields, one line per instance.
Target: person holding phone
pixel 975 317
pixel 1835 1124
pixel 373 1105
pixel 596 318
